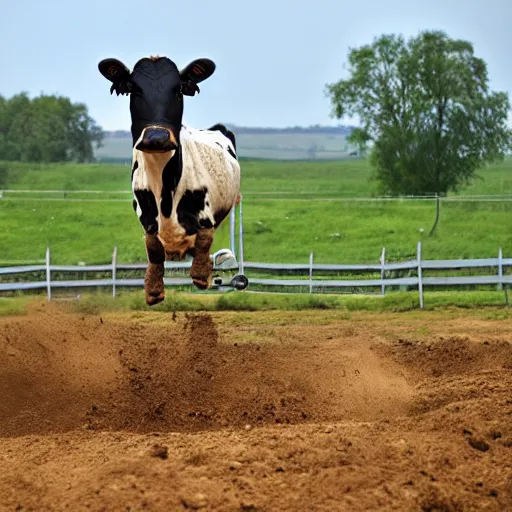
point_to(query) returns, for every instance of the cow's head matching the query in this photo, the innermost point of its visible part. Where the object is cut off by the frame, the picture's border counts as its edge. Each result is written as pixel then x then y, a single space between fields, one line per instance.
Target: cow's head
pixel 156 88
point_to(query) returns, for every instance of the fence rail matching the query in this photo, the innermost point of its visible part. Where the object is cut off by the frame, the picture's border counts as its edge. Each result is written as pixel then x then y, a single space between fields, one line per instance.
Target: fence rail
pixel 502 278
pixel 295 268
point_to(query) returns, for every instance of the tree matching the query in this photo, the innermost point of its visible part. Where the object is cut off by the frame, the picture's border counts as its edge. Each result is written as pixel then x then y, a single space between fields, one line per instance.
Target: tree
pixel 46 129
pixel 426 110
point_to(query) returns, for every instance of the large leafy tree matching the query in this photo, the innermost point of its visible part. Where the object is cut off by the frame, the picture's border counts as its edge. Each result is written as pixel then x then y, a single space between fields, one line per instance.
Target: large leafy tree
pixel 46 129
pixel 426 110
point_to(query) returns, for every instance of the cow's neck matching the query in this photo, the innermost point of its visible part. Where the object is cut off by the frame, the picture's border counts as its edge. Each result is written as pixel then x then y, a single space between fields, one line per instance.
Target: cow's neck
pixel 154 163
pixel 162 171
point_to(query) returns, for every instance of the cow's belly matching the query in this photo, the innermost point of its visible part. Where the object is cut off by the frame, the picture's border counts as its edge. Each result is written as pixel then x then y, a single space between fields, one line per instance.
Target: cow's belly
pixel 174 238
pixel 178 238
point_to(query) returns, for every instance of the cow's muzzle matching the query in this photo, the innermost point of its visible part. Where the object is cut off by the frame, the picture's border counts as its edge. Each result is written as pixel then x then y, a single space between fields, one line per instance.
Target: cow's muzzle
pixel 156 139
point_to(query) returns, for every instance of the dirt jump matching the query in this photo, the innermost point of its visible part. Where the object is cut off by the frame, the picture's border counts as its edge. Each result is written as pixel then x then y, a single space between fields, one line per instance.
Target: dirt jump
pixel 267 411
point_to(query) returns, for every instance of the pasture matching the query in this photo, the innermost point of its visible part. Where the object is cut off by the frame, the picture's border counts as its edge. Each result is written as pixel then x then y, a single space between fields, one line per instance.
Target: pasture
pixel 290 209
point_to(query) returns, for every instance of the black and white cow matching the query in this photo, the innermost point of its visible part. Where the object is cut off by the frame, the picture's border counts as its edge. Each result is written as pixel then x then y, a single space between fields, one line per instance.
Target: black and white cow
pixel 185 181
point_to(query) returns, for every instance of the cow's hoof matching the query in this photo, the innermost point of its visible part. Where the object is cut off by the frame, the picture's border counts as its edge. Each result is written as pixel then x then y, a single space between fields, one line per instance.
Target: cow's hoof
pixel 201 272
pixel 154 298
pixel 202 284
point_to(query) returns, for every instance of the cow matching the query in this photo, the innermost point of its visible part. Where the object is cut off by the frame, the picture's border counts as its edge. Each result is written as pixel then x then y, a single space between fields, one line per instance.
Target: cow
pixel 185 181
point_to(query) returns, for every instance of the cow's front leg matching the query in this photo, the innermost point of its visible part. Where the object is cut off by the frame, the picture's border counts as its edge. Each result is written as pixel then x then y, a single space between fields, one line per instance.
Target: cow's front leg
pixel 202 265
pixel 154 279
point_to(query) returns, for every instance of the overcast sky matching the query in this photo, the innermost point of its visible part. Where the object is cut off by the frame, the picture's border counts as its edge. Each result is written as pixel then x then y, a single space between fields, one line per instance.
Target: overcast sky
pixel 273 56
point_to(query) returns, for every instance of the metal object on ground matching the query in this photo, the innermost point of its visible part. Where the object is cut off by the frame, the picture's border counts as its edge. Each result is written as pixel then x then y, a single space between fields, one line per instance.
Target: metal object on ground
pixel 227 269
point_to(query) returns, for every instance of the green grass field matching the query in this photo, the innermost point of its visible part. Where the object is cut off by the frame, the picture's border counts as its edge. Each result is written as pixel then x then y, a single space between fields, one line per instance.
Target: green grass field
pixel 290 209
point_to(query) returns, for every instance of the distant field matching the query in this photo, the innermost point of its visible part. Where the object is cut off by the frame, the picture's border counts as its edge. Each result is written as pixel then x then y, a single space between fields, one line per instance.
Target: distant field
pixel 280 146
pixel 348 178
pixel 261 179
pixel 290 209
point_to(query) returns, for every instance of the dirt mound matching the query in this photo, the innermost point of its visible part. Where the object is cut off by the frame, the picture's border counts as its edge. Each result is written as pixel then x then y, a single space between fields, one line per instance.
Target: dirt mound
pixel 68 371
pixel 238 412
pixel 455 355
pixel 454 370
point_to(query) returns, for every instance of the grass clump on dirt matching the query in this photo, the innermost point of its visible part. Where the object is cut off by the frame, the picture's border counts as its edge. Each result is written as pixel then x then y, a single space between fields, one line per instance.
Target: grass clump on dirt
pixel 100 302
pixel 14 306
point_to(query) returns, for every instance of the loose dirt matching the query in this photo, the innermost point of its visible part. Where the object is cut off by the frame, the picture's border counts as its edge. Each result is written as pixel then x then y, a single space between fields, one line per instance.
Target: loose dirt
pixel 255 412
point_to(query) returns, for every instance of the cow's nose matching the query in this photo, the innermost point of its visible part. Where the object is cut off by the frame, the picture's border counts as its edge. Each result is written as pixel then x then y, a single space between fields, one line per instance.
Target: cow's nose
pixel 156 140
pixel 156 136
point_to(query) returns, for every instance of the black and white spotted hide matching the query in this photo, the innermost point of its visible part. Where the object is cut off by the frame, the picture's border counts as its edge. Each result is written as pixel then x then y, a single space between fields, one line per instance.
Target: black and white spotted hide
pixel 177 193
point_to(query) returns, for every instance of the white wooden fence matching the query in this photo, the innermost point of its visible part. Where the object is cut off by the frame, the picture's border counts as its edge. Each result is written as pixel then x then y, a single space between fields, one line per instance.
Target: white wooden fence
pixel 501 278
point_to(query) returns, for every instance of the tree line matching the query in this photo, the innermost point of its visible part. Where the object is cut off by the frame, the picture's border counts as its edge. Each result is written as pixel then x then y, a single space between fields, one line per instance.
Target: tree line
pixel 47 128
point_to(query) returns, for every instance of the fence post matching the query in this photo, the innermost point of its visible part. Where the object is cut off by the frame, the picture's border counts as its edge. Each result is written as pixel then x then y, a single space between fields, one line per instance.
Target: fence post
pixel 114 265
pixel 502 286
pixel 500 269
pixel 382 271
pixel 48 275
pixel 232 230
pixel 241 239
pixel 311 272
pixel 420 274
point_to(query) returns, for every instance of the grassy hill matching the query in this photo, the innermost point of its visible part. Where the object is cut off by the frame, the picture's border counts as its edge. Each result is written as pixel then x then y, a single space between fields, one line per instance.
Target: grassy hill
pixel 290 209
pixel 315 143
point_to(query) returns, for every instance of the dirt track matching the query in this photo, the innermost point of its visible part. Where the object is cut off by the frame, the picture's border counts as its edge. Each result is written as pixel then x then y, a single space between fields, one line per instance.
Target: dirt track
pixel 255 412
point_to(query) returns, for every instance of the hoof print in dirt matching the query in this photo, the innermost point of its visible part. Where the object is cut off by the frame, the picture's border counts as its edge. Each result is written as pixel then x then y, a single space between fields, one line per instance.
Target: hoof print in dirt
pixel 478 444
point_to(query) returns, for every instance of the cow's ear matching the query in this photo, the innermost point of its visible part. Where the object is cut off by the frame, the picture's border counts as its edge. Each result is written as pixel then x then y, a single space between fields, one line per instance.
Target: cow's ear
pixel 197 71
pixel 115 71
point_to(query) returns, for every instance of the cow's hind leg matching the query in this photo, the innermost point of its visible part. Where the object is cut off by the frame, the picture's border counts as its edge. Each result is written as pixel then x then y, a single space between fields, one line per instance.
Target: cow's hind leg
pixel 202 265
pixel 154 279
